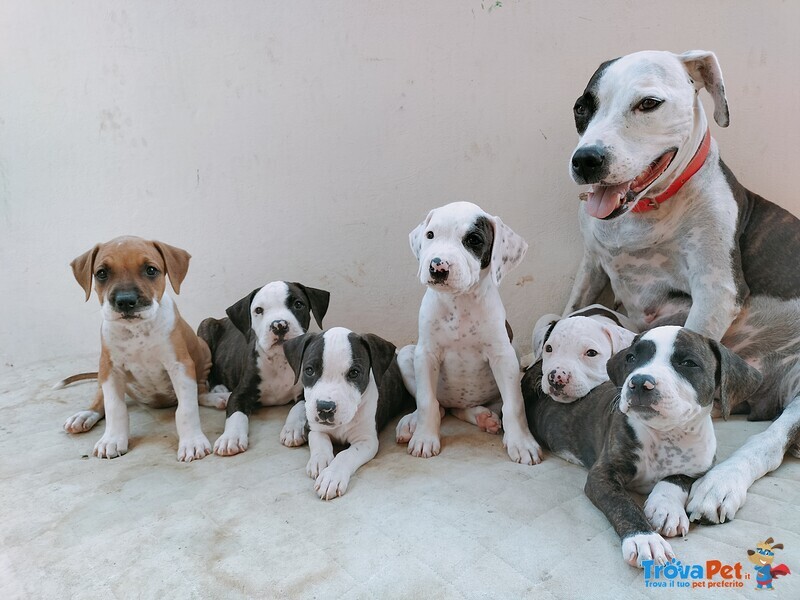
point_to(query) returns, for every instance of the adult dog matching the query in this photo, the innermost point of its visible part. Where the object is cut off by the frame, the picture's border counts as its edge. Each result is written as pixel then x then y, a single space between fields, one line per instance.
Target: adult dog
pixel 682 242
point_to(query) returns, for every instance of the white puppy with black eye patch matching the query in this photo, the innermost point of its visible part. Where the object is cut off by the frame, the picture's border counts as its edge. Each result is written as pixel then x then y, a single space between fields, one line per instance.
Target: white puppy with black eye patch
pixel 463 359
pixel 575 349
pixel 352 388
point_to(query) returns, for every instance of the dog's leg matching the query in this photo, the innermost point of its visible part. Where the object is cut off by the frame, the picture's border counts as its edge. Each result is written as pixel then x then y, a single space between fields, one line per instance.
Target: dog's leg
pixel 216 398
pixel 639 542
pixel 321 449
pixel 192 442
pixel 482 416
pixel 295 430
pixel 240 406
pixel 425 440
pixel 517 439
pixel 333 479
pixel 665 507
pixel 86 419
pixel 718 495
pixel 114 442
pixel 590 281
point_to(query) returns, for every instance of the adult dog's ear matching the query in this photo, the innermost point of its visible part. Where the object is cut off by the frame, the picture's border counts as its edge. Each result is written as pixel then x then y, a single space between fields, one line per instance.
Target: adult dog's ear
pixel 294 349
pixel 615 367
pixel 541 332
pixel 83 269
pixel 381 355
pixel 239 313
pixel 735 379
pixel 318 300
pixel 704 70
pixel 508 250
pixel 619 337
pixel 176 263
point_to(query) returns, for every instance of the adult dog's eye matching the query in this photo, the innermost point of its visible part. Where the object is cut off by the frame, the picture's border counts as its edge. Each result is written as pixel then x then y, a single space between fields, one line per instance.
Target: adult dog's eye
pixel 258 310
pixel 688 363
pixel 353 374
pixel 591 352
pixel 548 348
pixel 629 358
pixel 309 371
pixel 474 239
pixel 648 104
pixel 429 235
pixel 150 271
pixel 299 305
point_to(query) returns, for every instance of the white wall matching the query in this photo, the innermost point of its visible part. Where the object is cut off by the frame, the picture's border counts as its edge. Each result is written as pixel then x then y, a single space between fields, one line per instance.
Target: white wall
pixel 304 140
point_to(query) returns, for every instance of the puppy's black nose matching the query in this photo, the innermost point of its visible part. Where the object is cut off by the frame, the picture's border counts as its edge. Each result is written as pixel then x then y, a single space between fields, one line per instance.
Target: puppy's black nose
pixel 279 327
pixel 642 390
pixel 125 301
pixel 588 163
pixel 325 411
pixel 439 270
pixel 557 378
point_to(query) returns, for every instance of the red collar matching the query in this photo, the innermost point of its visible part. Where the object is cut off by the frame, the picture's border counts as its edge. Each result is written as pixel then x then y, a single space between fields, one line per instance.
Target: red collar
pixel 646 204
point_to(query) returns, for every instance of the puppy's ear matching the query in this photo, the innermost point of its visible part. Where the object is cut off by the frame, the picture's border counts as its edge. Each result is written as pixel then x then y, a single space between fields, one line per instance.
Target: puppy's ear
pixel 318 300
pixel 541 331
pixel 615 367
pixel 83 269
pixel 736 380
pixel 415 237
pixel 618 336
pixel 508 251
pixel 381 355
pixel 239 313
pixel 294 349
pixel 704 70
pixel 176 262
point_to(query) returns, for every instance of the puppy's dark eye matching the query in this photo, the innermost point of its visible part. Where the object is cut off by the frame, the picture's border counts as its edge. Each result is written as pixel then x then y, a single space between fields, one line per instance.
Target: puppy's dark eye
pixel 579 109
pixel 548 348
pixel 629 358
pixel 688 363
pixel 353 374
pixel 150 271
pixel 429 235
pixel 298 305
pixel 474 239
pixel 101 274
pixel 309 371
pixel 648 104
pixel 591 352
pixel 258 310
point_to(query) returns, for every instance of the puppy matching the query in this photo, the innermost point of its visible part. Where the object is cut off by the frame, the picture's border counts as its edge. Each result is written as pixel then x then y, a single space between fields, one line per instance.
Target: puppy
pixel 653 436
pixel 148 350
pixel 463 358
pixel 248 358
pixel 574 350
pixel 352 388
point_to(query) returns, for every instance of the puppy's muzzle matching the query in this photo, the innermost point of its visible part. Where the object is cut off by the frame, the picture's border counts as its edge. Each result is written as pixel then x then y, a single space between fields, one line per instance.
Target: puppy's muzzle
pixel 589 163
pixel 326 411
pixel 128 302
pixel 280 328
pixel 642 392
pixel 557 378
pixel 439 270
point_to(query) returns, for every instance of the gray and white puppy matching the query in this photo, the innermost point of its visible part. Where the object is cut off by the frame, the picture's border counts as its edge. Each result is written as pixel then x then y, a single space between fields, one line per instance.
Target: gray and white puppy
pixel 653 436
pixel 352 387
pixel 681 241
pixel 248 366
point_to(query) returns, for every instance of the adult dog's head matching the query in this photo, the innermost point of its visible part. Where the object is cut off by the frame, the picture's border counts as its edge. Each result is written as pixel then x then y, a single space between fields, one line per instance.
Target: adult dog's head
pixel 641 122
pixel 459 243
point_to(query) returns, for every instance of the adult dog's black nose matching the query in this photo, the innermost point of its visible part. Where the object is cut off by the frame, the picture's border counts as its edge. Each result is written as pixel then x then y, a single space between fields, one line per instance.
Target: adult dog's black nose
pixel 126 301
pixel 439 270
pixel 279 327
pixel 588 163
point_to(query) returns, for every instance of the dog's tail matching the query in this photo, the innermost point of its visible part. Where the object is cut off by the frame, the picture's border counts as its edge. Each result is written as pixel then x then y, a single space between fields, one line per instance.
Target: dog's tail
pixel 74 379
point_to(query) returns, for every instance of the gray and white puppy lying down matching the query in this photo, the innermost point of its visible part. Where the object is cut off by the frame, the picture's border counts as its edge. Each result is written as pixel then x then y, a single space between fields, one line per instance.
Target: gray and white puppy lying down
pixel 653 436
pixel 353 388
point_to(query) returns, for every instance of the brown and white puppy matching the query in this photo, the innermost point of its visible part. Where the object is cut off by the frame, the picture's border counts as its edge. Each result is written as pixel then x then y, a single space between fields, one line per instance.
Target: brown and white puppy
pixel 148 350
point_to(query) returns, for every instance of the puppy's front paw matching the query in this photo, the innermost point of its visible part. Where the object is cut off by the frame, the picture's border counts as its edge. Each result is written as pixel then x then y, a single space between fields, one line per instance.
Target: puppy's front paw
pixel 111 446
pixel 82 421
pixel 217 400
pixel 293 435
pixel 640 547
pixel 193 448
pixel 717 496
pixel 523 449
pixel 489 421
pixel 230 443
pixel 424 445
pixel 666 512
pixel 316 464
pixel 332 482
pixel 406 428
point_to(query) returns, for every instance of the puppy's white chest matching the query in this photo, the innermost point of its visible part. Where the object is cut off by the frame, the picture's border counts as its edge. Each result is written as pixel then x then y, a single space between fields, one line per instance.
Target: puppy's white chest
pixel 277 385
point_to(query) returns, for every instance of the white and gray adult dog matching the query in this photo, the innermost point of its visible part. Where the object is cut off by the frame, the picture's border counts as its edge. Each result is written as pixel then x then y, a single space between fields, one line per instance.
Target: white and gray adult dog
pixel 682 242
pixel 575 349
pixel 463 359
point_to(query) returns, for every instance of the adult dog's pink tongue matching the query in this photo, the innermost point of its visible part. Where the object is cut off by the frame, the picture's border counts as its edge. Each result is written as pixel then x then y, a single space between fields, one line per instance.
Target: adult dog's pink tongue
pixel 603 199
